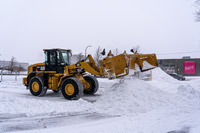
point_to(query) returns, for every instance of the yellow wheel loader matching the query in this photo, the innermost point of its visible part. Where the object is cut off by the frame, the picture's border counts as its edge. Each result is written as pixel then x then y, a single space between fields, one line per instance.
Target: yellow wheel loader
pixel 56 73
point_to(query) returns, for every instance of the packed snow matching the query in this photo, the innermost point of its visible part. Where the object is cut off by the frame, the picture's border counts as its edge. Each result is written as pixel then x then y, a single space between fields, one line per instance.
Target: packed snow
pixel 128 104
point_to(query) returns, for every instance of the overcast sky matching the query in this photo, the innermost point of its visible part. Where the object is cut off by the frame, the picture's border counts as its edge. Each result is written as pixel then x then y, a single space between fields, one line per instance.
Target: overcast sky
pixel 158 26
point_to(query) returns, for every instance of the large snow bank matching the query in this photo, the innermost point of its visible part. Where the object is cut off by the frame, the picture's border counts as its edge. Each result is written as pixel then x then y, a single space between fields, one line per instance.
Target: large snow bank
pixel 131 95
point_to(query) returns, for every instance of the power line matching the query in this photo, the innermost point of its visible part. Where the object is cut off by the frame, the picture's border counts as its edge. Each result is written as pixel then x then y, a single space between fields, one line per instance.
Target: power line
pixel 179 53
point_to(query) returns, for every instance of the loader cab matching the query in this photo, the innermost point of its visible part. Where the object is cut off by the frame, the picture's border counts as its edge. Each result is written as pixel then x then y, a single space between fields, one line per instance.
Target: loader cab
pixel 57 59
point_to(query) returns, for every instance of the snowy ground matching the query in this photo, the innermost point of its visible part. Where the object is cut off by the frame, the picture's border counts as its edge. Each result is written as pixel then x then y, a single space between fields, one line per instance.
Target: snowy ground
pixel 163 105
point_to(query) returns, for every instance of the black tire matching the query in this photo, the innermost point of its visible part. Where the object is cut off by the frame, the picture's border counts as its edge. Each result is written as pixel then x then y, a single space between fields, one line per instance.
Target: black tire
pixel 76 85
pixel 94 85
pixel 55 91
pixel 39 90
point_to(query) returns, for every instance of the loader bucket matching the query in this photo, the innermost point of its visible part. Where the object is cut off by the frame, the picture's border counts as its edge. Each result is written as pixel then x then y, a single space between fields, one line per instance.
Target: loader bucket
pixel 118 66
pixel 144 61
pixel 115 66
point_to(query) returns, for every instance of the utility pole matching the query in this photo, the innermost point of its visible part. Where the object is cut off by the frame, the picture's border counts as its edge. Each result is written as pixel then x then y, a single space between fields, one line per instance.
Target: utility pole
pixel 1 72
pixel 1 75
pixel 86 49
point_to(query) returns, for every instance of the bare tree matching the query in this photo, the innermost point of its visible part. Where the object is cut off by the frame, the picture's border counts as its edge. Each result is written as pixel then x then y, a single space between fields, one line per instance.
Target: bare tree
pixel 197 3
pixel 198 16
pixel 19 69
pixel 136 49
pixel 12 64
pixel 98 55
pixel 4 68
pixel 80 57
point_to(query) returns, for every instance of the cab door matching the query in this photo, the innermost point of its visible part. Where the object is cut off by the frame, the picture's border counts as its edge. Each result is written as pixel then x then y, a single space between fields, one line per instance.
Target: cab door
pixel 59 63
pixel 50 60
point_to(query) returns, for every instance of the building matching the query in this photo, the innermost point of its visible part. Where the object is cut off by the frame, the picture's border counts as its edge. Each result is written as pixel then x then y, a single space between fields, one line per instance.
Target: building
pixel 17 64
pixel 186 66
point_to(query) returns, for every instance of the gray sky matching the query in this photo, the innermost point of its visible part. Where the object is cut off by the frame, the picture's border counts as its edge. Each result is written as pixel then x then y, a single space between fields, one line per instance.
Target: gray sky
pixel 158 26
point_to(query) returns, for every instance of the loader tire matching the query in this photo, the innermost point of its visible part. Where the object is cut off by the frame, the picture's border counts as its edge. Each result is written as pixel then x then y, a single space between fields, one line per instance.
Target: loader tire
pixel 55 91
pixel 72 88
pixel 36 86
pixel 94 85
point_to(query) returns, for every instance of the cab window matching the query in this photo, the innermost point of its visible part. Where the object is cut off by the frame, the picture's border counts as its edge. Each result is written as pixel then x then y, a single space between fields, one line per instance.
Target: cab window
pixel 52 58
pixel 65 57
pixel 46 58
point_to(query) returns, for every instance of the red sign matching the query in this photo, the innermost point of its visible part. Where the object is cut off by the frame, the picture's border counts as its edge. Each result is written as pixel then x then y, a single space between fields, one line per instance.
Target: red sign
pixel 189 67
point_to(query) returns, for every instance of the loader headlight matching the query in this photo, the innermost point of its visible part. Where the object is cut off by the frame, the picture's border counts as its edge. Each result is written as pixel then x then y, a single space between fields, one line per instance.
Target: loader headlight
pixel 78 64
pixel 79 70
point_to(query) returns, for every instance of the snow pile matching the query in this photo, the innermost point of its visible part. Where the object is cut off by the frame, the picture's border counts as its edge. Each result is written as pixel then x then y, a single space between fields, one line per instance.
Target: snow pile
pixel 131 95
pixel 159 75
pixel 188 91
pixel 31 107
pixel 195 83
pixel 163 81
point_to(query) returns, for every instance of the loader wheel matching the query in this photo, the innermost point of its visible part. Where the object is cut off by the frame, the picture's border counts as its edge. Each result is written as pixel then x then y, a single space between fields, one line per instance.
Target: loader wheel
pixel 72 88
pixel 94 85
pixel 36 86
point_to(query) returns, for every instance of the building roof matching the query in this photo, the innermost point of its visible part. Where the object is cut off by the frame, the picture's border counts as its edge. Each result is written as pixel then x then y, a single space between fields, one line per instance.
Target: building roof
pixel 181 59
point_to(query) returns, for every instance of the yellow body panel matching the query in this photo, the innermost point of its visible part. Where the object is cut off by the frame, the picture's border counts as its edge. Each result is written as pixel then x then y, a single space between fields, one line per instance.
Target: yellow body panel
pixel 30 68
pixel 24 81
pixel 53 81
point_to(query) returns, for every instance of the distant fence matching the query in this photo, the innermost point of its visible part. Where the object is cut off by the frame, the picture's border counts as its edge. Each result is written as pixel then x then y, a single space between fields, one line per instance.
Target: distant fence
pixel 13 74
pixel 4 73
